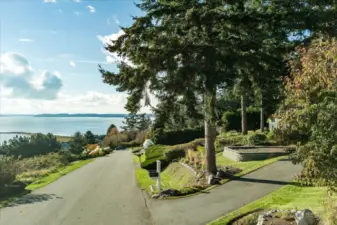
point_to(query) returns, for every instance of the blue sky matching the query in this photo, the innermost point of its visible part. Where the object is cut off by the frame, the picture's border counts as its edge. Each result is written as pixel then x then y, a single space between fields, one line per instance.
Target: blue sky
pixel 58 44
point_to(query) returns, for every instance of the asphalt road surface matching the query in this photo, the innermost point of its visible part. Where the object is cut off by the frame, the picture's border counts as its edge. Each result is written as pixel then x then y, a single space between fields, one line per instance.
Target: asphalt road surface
pixel 104 192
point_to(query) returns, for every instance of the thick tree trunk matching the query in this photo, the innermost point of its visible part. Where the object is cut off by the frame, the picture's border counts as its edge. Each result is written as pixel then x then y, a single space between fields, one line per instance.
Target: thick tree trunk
pixel 261 116
pixel 210 131
pixel 244 114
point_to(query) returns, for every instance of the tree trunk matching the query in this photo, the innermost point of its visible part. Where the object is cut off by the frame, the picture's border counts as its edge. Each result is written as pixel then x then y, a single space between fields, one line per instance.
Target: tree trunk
pixel 261 116
pixel 210 131
pixel 244 114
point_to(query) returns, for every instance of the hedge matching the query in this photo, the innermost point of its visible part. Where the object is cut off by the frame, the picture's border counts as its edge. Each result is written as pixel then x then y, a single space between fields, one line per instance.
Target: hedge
pixel 174 137
pixel 232 120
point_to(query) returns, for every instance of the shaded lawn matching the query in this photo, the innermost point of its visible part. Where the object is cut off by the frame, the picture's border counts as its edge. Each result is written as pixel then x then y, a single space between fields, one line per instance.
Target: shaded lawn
pixel 246 167
pixel 287 197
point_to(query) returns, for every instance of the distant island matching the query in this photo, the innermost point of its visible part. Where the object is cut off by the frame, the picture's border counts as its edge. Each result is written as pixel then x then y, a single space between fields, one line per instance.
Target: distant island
pixel 80 115
pixel 69 115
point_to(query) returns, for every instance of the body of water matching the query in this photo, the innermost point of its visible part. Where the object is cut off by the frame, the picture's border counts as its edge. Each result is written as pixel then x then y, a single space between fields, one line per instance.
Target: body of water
pixel 66 126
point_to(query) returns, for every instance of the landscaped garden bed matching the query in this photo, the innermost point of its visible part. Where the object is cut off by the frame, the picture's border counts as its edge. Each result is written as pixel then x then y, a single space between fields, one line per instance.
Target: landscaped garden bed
pixel 183 172
pixel 283 202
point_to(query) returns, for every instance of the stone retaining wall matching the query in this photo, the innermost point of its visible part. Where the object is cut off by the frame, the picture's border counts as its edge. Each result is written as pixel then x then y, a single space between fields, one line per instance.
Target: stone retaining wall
pixel 243 153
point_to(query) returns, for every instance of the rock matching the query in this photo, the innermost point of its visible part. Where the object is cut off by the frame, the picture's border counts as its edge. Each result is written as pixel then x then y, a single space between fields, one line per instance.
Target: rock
pixel 212 180
pixel 305 217
pixel 156 196
pixel 222 174
pixel 260 220
pixel 268 214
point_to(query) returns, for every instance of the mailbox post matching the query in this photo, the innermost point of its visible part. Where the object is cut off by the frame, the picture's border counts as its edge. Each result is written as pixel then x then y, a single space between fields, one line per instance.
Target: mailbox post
pixel 158 171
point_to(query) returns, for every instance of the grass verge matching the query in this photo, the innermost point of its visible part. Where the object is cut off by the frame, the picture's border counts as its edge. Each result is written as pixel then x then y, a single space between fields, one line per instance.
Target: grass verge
pixel 39 183
pixel 287 197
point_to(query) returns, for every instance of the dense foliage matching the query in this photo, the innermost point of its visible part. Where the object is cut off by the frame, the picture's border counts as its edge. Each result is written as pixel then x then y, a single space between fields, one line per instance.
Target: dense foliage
pixel 174 137
pixel 135 122
pixel 309 114
pixel 183 50
pixel 231 120
pixel 29 146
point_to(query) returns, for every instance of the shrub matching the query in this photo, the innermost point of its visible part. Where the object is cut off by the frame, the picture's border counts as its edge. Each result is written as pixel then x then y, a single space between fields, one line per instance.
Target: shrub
pixel 36 144
pixel 174 153
pixel 232 120
pixel 8 170
pixel 174 137
pixel 43 162
pixel 257 139
pixel 155 151
pixel 234 138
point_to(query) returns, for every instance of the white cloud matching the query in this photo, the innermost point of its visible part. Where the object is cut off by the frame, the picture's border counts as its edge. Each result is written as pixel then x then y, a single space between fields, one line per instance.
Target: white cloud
pixel 72 63
pixel 91 8
pixel 50 1
pixel 88 102
pixel 25 40
pixel 21 80
pixel 108 21
pixel 113 57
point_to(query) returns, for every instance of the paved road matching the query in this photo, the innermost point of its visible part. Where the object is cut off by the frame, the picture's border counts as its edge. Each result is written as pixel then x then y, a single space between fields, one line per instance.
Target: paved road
pixel 203 208
pixel 103 192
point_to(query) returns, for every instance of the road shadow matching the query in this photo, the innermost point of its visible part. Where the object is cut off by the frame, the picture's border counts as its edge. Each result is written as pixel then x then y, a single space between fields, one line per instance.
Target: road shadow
pixel 32 198
pixel 252 180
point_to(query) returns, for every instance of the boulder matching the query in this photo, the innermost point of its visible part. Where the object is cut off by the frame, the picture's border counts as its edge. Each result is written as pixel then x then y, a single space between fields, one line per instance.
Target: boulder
pixel 260 220
pixel 305 217
pixel 212 180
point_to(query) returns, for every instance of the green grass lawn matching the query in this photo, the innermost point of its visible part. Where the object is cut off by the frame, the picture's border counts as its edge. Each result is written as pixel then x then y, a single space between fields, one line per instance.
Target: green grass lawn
pixel 177 177
pixel 39 182
pixel 246 167
pixel 288 197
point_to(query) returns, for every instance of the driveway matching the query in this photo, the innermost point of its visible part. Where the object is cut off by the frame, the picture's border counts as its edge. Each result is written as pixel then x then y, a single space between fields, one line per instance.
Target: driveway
pixel 204 208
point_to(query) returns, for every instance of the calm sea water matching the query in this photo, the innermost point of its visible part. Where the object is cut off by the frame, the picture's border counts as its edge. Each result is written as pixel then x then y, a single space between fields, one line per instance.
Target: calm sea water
pixel 56 125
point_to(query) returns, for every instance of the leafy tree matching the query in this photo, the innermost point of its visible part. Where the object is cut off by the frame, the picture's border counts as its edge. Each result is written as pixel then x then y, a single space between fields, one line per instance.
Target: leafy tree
pixel 187 49
pixel 112 130
pixel 309 112
pixel 90 137
pixel 77 143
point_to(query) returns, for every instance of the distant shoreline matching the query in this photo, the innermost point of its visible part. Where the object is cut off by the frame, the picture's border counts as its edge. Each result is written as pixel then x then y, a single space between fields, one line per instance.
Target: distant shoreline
pixel 61 138
pixel 69 115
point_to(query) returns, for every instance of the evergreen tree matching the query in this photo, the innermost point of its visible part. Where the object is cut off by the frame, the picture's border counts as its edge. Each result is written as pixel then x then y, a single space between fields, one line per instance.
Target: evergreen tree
pixel 77 143
pixel 189 48
pixel 89 137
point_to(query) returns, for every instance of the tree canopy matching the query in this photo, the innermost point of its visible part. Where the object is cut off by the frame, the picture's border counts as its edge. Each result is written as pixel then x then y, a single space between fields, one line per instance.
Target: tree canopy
pixel 184 50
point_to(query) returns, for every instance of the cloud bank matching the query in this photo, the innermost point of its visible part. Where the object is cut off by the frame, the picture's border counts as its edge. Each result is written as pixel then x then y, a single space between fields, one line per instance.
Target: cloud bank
pixel 23 81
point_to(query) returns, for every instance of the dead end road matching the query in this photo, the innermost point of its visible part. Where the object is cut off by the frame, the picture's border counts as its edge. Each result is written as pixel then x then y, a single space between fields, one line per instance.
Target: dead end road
pixel 105 192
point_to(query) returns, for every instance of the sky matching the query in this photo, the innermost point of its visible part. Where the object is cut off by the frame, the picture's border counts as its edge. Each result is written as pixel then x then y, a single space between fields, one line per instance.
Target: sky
pixel 50 51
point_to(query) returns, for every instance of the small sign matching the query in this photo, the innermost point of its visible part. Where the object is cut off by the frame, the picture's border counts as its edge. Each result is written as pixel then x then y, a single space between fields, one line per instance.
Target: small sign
pixel 158 166
pixel 153 173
